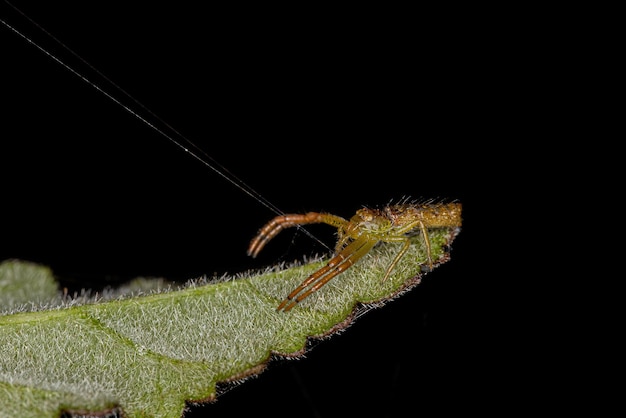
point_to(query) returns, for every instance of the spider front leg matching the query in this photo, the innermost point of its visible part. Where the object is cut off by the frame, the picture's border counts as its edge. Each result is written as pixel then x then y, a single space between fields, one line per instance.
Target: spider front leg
pixel 338 264
pixel 273 227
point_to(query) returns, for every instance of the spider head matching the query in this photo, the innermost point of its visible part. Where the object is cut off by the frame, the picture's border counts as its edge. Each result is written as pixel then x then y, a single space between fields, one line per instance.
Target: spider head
pixel 368 221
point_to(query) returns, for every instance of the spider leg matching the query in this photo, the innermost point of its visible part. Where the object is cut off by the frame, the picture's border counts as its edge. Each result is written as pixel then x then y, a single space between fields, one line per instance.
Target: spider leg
pixel 407 244
pixel 397 258
pixel 273 227
pixel 427 242
pixel 339 263
pixel 424 231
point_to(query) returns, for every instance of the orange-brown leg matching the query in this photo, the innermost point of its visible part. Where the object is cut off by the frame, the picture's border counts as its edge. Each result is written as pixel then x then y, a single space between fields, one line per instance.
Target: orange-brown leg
pixel 341 262
pixel 273 227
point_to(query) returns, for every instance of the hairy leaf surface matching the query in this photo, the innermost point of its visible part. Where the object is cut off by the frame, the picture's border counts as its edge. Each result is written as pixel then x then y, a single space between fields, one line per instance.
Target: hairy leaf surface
pixel 151 354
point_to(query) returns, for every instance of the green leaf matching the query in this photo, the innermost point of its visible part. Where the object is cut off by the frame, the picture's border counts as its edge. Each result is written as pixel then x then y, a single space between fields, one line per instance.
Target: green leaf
pixel 148 355
pixel 23 283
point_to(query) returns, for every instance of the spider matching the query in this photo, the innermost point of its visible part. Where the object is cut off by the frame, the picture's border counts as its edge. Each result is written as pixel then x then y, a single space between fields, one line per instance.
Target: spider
pixel 357 236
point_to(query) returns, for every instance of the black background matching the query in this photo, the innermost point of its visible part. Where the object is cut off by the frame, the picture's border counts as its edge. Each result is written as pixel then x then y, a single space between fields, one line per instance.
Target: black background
pixel 314 110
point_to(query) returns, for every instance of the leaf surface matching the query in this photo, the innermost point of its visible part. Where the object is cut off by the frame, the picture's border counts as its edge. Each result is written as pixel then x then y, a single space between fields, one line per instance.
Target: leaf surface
pixel 149 355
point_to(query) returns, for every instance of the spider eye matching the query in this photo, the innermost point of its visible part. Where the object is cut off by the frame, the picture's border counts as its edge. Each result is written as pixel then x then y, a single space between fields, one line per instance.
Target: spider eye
pixel 364 214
